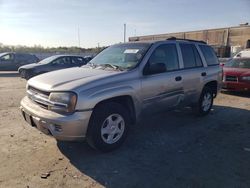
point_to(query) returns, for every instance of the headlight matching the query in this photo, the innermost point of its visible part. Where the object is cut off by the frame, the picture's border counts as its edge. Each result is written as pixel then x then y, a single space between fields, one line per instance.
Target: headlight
pixel 62 101
pixel 246 78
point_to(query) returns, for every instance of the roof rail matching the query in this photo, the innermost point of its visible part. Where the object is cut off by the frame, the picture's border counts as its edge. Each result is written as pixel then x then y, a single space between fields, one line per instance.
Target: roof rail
pixel 190 40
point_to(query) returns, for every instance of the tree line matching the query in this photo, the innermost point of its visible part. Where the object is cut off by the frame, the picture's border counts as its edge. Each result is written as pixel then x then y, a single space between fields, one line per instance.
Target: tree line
pixel 41 49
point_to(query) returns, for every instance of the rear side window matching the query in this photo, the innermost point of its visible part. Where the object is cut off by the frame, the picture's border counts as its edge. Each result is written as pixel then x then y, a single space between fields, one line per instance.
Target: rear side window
pixel 209 55
pixel 21 57
pixel 78 60
pixel 190 55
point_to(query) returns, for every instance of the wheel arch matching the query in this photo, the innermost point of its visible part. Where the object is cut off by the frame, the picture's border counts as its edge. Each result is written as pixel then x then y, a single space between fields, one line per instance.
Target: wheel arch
pixel 213 85
pixel 126 101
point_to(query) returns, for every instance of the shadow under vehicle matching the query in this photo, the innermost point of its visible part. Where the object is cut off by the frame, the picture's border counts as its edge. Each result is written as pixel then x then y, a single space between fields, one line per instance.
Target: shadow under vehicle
pixel 173 149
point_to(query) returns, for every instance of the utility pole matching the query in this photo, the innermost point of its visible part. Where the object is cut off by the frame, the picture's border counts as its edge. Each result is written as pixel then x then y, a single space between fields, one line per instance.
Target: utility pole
pixel 125 32
pixel 78 31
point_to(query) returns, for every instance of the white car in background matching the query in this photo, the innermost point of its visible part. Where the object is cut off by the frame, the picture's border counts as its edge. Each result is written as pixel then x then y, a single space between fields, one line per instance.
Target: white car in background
pixel 243 53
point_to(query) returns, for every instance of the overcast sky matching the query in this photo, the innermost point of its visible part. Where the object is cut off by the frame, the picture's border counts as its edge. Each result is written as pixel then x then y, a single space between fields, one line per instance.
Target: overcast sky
pixel 56 22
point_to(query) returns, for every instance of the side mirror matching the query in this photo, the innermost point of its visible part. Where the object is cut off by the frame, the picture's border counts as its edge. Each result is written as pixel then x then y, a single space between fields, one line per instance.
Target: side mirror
pixel 155 68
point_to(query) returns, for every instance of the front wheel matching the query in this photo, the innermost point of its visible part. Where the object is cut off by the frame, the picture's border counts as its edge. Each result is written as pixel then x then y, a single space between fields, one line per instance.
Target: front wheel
pixel 205 102
pixel 108 126
pixel 25 74
pixel 22 73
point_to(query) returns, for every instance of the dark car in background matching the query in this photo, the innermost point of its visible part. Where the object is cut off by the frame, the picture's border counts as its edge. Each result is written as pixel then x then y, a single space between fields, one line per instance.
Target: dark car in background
pixel 11 61
pixel 236 75
pixel 52 63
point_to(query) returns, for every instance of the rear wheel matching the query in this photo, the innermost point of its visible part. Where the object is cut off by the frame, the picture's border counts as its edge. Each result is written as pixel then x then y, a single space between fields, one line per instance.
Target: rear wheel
pixel 108 126
pixel 205 102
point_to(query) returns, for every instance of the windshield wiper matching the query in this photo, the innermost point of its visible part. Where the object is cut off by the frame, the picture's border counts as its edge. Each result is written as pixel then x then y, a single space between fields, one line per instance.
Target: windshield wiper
pixel 116 67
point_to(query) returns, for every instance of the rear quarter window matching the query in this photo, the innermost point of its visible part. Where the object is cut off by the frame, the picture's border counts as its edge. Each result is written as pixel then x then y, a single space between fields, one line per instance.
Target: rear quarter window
pixel 209 55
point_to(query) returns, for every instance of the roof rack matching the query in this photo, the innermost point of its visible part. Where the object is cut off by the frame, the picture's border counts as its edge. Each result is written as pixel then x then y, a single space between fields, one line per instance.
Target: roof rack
pixel 190 40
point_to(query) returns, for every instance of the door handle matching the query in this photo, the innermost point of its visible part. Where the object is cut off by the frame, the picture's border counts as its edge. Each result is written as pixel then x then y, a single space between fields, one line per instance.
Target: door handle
pixel 203 74
pixel 178 78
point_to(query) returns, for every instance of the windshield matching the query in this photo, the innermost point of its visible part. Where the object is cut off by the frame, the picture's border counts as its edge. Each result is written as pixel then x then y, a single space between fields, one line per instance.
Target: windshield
pixel 239 63
pixel 48 60
pixel 2 54
pixel 124 56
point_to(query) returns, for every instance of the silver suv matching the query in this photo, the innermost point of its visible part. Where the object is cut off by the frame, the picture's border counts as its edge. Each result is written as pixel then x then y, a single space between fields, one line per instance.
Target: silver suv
pixel 99 101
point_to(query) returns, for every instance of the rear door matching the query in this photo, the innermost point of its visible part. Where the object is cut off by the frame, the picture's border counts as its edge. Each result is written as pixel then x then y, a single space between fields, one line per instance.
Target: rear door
pixel 163 90
pixel 193 71
pixel 21 59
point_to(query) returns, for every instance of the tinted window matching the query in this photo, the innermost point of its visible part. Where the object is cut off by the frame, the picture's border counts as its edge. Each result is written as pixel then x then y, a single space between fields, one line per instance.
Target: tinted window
pixel 190 55
pixel 239 63
pixel 26 58
pixel 62 61
pixel 209 55
pixel 166 54
pixel 197 57
pixel 78 60
pixel 21 57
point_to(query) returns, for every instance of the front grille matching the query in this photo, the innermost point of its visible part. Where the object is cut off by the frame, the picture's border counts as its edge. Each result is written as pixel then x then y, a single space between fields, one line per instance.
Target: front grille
pixel 30 88
pixel 38 96
pixel 229 78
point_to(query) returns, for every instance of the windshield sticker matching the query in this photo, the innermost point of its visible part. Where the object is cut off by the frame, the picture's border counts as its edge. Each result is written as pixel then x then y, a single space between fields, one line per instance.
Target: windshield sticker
pixel 131 51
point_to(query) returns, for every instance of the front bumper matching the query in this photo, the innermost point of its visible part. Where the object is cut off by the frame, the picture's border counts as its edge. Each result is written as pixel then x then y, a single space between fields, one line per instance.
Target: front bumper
pixel 71 127
pixel 236 86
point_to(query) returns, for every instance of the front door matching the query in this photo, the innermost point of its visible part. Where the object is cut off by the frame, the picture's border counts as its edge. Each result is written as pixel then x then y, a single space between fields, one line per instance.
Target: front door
pixel 162 85
pixel 7 63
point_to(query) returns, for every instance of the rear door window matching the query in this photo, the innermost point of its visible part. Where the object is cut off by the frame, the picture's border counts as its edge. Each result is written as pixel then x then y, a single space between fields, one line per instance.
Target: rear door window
pixel 190 55
pixel 209 55
pixel 62 61
pixel 78 60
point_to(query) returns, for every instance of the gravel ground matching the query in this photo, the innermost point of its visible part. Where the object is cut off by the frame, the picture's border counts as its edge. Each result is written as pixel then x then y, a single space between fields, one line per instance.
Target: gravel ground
pixel 172 149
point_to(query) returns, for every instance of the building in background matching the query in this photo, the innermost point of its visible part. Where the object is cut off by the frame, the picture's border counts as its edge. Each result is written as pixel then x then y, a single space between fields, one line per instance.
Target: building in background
pixel 226 41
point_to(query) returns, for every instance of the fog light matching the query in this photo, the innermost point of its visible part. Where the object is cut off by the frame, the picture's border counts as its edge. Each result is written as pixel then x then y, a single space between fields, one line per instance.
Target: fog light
pixel 58 128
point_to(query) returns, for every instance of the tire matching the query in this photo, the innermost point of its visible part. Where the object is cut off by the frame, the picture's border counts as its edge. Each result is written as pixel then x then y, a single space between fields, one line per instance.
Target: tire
pixel 205 102
pixel 28 75
pixel 22 73
pixel 25 74
pixel 108 126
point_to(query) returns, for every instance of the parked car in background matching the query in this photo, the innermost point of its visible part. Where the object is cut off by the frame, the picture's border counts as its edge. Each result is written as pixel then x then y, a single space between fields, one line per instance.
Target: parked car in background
pixel 243 53
pixel 11 61
pixel 236 75
pixel 122 84
pixel 88 58
pixel 52 63
pixel 223 61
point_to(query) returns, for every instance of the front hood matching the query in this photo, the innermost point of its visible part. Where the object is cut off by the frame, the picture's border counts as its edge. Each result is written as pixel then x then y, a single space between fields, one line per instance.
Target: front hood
pixel 68 79
pixel 236 71
pixel 31 66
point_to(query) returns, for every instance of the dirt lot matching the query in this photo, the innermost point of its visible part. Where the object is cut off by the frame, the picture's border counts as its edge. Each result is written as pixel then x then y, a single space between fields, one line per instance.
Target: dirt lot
pixel 173 149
